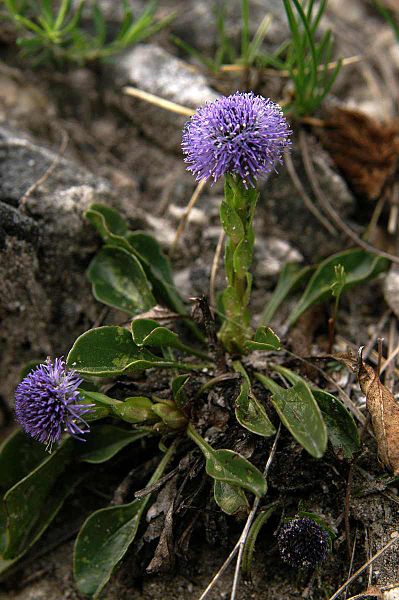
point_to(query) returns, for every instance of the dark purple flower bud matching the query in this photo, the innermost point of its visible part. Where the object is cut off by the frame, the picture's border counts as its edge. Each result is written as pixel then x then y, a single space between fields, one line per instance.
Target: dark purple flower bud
pixel 241 134
pixel 47 402
pixel 303 543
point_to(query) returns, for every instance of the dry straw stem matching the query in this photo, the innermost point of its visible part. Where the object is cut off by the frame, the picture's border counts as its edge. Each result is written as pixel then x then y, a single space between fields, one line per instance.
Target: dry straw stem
pixel 350 60
pixel 158 101
pixel 384 412
pixel 395 538
pixel 193 200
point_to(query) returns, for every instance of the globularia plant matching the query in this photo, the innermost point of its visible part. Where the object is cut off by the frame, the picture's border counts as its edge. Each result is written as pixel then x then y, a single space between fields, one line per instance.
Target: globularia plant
pixel 241 138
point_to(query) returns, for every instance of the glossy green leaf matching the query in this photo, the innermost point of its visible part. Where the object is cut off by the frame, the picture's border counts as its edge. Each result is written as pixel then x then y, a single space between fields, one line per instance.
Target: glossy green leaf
pixel 118 280
pixel 136 409
pixel 343 433
pixel 49 510
pixel 291 277
pixel 231 499
pixel 264 339
pixel 157 268
pixel 250 413
pixel 28 498
pixel 107 351
pixel 178 390
pixel 359 266
pixel 342 430
pixel 106 220
pixel 249 547
pixel 105 441
pixel 230 467
pixel 105 538
pixel 114 231
pixel 19 454
pixel 300 413
pixel 147 332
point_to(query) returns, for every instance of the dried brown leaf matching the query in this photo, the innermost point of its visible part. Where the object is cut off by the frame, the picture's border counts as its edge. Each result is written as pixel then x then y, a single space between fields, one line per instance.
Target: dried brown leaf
pixel 384 412
pixel 364 150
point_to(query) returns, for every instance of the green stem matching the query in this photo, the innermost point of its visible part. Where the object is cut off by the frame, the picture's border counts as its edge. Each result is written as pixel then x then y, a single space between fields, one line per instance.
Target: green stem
pixel 205 448
pixel 237 213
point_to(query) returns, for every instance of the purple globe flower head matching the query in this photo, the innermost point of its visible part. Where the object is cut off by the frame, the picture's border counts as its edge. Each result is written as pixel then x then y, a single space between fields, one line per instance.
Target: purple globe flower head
pixel 303 543
pixel 47 402
pixel 241 134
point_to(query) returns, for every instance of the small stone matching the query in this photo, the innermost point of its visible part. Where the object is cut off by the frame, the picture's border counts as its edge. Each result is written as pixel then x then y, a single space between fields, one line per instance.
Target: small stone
pixel 154 70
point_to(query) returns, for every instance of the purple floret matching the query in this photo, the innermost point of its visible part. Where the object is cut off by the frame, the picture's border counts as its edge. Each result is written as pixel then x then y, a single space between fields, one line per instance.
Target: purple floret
pixel 303 543
pixel 241 134
pixel 47 402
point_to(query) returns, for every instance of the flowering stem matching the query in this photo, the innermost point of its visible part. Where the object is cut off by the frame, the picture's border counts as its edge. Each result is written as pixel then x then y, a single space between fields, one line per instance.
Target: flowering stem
pixel 237 214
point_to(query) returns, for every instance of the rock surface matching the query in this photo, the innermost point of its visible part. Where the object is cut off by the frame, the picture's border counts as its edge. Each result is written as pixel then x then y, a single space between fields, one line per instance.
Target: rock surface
pixel 154 70
pixel 45 299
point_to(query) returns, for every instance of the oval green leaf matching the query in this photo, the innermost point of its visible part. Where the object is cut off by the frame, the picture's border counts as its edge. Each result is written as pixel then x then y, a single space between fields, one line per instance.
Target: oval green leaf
pixel 264 339
pixel 119 281
pixel 105 538
pixel 231 467
pixel 107 351
pixel 300 413
pixel 231 499
pixel 359 266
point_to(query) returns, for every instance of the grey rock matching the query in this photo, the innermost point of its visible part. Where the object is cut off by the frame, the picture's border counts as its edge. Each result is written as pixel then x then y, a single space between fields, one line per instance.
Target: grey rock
pixel 45 299
pixel 391 289
pixel 154 70
pixel 271 254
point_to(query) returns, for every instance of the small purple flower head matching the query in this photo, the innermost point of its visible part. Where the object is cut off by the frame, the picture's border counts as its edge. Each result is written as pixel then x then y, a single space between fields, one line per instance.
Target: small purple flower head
pixel 241 134
pixel 303 543
pixel 47 402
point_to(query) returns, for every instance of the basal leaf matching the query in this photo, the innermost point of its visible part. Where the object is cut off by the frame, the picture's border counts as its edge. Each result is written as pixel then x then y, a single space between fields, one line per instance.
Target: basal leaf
pixel 250 413
pixel 118 280
pixel 19 454
pixel 25 501
pixel 229 466
pixel 107 351
pixel 107 440
pixel 178 390
pixel 106 220
pixel 264 339
pixel 45 516
pixel 359 266
pixel 147 332
pixel 299 412
pixel 157 268
pixel 105 538
pixel 342 431
pixel 231 499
